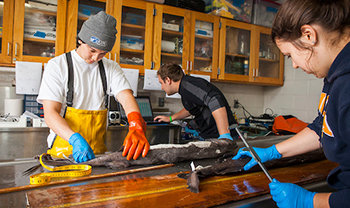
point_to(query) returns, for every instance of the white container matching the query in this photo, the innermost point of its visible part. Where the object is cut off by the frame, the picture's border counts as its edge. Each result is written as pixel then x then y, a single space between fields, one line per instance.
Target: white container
pixel 172 27
pixel 204 25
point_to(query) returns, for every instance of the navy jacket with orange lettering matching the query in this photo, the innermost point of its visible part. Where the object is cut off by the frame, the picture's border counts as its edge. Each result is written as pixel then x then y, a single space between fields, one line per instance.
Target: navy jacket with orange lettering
pixel 333 126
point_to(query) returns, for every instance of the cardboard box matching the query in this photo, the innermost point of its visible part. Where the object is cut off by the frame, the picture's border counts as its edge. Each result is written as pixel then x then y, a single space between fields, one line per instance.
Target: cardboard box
pixel 40 34
pixel 204 25
pixel 172 27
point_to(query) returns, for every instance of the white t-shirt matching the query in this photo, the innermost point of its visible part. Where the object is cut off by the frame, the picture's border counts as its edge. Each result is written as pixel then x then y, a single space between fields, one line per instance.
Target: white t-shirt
pixel 88 88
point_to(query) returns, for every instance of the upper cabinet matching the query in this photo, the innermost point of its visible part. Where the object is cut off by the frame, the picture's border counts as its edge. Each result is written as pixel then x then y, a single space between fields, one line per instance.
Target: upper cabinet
pixel 35 32
pixel 268 66
pixel 235 51
pixel 149 35
pixel 204 48
pixel 188 38
pixel 133 46
pixel 248 55
pixel 171 36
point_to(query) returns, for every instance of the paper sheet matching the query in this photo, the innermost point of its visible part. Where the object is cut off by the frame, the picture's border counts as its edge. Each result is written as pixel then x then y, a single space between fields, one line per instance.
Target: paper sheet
pixel 28 77
pixel 132 75
pixel 151 81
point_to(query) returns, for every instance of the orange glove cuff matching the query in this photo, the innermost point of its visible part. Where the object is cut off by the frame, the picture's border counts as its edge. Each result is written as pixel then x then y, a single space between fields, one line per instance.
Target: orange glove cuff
pixel 136 121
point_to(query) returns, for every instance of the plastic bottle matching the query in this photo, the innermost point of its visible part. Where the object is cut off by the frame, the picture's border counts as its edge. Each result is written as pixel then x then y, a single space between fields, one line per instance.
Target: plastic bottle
pixel 246 67
pixel 242 45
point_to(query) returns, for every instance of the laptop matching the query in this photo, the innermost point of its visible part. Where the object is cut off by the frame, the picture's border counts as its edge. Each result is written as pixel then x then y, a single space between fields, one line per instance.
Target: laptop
pixel 145 106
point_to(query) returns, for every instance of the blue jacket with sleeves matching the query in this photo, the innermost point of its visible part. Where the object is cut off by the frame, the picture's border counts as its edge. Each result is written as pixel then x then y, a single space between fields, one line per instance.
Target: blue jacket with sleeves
pixel 333 126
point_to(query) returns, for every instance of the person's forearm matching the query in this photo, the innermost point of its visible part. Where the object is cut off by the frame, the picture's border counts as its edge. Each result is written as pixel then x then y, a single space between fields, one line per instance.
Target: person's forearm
pixel 128 101
pixel 220 116
pixel 321 200
pixel 180 115
pixel 55 121
pixel 303 142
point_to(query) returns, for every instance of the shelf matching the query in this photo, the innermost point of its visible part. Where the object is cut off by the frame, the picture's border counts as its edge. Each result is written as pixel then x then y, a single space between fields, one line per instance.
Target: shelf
pixel 131 50
pixel 172 55
pixel 133 26
pixel 48 13
pixel 203 59
pixel 39 40
pixel 172 33
pixel 238 55
pixel 204 37
pixel 269 60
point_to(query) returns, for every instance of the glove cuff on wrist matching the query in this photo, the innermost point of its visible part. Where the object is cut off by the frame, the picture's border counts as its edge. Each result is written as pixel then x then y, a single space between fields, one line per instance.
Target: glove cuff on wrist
pixel 275 153
pixel 73 138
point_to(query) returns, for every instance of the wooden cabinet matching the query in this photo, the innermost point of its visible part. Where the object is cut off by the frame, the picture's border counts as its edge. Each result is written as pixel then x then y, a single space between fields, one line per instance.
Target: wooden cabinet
pixel 177 40
pixel 171 36
pixel 133 46
pixel 34 33
pixel 149 35
pixel 247 54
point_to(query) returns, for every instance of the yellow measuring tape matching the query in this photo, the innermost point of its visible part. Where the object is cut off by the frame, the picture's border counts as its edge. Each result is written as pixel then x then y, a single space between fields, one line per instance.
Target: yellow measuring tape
pixel 75 171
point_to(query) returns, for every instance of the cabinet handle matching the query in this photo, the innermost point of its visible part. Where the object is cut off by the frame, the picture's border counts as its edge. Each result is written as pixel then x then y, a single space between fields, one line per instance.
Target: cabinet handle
pixel 109 56
pixel 188 66
pixel 8 48
pixel 16 49
pixel 257 72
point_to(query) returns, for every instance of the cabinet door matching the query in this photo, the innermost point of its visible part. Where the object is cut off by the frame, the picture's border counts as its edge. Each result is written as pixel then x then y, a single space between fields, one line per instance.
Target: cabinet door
pixel 135 30
pixel 79 11
pixel 204 44
pixel 269 67
pixel 171 36
pixel 36 29
pixel 6 30
pixel 235 51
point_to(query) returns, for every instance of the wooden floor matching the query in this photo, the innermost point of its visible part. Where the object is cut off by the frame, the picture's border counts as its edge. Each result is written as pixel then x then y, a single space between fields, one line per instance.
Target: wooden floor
pixel 170 191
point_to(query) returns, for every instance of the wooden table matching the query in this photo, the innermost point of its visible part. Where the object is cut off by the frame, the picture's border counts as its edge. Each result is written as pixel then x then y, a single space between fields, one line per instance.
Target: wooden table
pixel 170 191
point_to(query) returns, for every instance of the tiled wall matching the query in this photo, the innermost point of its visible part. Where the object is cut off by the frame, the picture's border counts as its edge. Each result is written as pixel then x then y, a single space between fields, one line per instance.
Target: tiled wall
pixel 299 96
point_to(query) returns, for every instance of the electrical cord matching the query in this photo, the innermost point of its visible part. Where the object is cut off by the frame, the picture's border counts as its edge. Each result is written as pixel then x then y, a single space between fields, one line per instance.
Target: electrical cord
pixel 252 117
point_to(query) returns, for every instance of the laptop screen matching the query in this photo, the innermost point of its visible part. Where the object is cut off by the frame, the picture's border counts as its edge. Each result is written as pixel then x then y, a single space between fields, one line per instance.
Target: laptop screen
pixel 145 108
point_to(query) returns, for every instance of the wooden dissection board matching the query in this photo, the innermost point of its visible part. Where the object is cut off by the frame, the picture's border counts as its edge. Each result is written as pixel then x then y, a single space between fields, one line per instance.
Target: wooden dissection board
pixel 171 191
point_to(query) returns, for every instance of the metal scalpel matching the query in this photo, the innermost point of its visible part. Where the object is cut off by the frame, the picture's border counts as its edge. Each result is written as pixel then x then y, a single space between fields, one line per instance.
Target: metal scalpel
pixel 252 151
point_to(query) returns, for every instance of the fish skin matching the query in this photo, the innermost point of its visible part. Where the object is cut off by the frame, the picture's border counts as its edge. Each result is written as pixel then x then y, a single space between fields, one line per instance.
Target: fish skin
pixel 182 152
pixel 229 166
pixel 190 151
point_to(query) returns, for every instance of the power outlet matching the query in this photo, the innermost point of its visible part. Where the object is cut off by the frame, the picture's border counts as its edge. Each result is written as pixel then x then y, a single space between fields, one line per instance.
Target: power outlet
pixel 236 104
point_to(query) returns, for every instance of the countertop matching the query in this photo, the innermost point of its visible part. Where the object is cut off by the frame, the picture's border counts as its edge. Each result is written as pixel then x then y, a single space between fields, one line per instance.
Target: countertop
pixel 11 176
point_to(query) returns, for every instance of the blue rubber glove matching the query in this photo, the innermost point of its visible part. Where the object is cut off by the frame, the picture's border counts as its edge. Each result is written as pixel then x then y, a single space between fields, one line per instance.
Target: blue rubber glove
pixel 288 195
pixel 82 151
pixel 192 131
pixel 226 136
pixel 265 154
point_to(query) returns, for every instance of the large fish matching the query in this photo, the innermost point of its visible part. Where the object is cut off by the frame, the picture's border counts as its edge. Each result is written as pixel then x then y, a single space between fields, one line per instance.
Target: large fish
pixel 226 165
pixel 158 154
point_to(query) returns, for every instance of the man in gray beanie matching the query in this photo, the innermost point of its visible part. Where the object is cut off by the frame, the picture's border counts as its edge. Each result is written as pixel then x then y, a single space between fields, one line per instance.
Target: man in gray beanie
pixel 74 93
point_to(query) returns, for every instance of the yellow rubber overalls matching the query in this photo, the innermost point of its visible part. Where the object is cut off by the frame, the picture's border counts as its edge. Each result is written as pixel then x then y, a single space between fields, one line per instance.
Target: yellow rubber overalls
pixel 91 124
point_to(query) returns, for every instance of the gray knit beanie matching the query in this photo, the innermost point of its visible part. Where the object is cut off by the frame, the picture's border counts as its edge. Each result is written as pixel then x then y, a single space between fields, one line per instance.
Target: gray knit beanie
pixel 99 31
